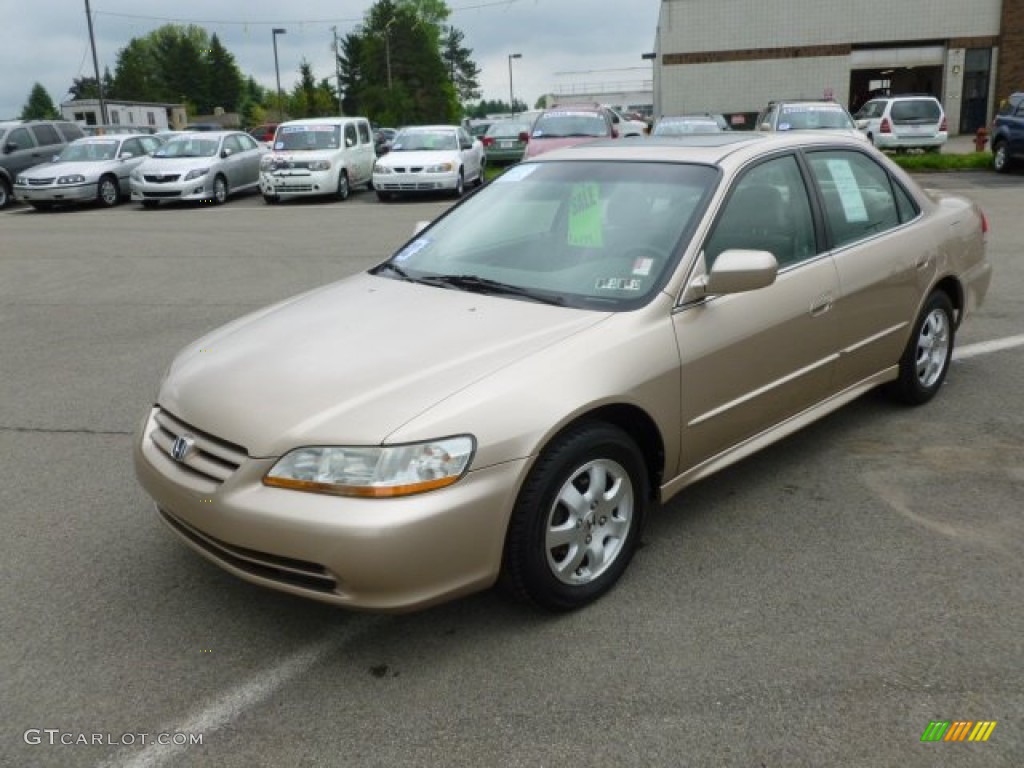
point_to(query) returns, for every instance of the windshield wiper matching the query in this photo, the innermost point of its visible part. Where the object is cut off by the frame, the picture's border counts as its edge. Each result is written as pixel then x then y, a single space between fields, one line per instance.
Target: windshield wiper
pixel 397 270
pixel 476 284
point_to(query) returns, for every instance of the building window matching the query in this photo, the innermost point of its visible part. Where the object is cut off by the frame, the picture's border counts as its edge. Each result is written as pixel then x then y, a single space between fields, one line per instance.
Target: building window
pixel 150 118
pixel 115 117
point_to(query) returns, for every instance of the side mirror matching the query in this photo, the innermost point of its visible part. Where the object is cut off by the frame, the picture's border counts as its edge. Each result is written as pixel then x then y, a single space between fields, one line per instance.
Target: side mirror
pixel 226 153
pixel 127 155
pixel 738 271
pixel 9 147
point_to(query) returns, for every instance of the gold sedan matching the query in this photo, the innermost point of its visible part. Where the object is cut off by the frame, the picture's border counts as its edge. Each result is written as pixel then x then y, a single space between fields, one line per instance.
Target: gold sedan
pixel 505 397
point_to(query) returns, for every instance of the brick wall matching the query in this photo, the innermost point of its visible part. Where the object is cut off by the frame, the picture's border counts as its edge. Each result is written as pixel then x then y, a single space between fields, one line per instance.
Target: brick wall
pixel 1010 73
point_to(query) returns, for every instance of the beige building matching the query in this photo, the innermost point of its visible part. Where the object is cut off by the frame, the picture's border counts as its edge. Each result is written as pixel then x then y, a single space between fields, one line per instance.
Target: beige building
pixel 733 56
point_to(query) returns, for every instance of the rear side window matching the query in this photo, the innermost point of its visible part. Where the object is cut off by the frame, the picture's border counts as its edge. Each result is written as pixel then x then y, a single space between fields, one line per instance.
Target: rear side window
pixel 364 133
pixel 350 135
pixel 857 193
pixel 918 110
pixel 46 135
pixel 71 131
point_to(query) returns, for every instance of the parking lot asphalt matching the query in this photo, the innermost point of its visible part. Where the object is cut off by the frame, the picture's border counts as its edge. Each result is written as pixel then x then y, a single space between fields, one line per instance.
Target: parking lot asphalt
pixel 818 604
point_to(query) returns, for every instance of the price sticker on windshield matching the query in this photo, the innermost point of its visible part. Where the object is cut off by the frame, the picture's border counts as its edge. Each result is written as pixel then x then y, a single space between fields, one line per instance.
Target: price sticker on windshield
pixel 586 228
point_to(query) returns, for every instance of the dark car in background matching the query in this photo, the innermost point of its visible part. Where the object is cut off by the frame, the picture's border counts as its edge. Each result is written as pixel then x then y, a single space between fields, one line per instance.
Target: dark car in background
pixel 505 141
pixel 25 144
pixel 1007 137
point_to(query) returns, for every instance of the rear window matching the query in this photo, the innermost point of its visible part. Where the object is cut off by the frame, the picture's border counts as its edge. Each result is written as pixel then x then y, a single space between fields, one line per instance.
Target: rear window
pixel 46 135
pixel 923 110
pixel 71 131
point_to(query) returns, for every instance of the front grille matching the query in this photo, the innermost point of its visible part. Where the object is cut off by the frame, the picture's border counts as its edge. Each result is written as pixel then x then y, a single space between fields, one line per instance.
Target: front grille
pixel 284 570
pixel 40 182
pixel 211 458
pixel 409 187
pixel 147 193
pixel 161 178
pixel 294 187
pixel 416 169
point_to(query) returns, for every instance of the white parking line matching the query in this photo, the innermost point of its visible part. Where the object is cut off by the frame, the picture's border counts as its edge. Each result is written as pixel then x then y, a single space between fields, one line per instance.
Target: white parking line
pixel 986 347
pixel 231 704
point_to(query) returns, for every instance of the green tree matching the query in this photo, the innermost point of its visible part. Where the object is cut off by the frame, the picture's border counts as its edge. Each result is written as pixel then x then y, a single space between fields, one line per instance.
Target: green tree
pixel 39 105
pixel 462 70
pixel 84 88
pixel 135 77
pixel 223 78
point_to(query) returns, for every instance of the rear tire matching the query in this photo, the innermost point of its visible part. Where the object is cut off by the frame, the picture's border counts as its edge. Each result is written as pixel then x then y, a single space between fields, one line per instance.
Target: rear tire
pixel 925 361
pixel 343 190
pixel 577 520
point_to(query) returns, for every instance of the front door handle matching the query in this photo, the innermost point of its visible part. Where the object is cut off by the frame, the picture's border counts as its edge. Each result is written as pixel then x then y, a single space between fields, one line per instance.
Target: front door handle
pixel 821 305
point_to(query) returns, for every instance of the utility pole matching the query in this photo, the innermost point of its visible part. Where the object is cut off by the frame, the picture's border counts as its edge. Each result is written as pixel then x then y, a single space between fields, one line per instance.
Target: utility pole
pixel 337 71
pixel 96 65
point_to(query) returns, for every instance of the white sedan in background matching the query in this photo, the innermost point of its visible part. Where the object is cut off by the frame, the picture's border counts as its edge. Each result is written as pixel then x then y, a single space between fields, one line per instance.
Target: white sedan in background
pixel 90 170
pixel 430 158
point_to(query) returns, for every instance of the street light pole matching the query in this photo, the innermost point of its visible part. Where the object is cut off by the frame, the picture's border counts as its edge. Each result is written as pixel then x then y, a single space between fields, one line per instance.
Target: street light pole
pixel 511 95
pixel 277 70
pixel 96 66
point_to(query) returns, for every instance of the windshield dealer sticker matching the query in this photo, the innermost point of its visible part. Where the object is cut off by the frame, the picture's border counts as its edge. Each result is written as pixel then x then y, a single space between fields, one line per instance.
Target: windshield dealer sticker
pixel 849 192
pixel 642 267
pixel 412 249
pixel 585 225
pixel 618 284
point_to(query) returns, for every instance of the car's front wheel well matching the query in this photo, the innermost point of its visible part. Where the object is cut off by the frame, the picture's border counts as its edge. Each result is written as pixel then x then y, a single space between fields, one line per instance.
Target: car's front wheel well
pixel 641 428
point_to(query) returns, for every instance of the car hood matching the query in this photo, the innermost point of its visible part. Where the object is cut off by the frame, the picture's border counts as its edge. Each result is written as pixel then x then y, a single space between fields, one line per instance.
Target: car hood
pixel 89 168
pixel 417 158
pixel 352 362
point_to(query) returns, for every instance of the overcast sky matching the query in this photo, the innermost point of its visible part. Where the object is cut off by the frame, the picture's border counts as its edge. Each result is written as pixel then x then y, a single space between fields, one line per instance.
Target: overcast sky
pixel 562 42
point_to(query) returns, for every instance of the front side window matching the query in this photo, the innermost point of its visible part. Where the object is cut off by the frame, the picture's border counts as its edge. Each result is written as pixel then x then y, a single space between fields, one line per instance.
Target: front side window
pixel 19 138
pixel 595 235
pixel 364 133
pixel 767 210
pixel 857 193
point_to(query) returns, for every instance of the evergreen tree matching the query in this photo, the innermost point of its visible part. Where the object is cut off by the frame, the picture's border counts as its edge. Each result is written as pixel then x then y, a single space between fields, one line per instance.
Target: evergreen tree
pixel 223 78
pixel 134 76
pixel 84 88
pixel 39 105
pixel 462 70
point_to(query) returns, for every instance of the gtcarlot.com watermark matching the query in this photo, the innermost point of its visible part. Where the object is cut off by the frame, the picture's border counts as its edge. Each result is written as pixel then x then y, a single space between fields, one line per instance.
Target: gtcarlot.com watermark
pixel 56 737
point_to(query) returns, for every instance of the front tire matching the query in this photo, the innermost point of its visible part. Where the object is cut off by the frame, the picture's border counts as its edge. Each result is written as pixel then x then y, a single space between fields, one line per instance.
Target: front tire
pixel 384 197
pixel 108 193
pixel 5 193
pixel 577 520
pixel 343 190
pixel 1000 157
pixel 271 199
pixel 220 190
pixel 460 186
pixel 926 359
pixel 42 206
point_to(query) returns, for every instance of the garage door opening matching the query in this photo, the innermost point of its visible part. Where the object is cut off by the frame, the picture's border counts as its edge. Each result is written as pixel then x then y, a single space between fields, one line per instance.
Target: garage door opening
pixel 885 81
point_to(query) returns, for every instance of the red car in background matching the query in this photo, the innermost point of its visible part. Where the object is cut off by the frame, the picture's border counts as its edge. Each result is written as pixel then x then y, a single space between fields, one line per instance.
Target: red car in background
pixel 263 133
pixel 566 125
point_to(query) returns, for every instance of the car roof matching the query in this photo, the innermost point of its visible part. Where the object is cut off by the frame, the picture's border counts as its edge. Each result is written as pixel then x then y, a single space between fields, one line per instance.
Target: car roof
pixel 704 148
pixel 430 128
pixel 329 120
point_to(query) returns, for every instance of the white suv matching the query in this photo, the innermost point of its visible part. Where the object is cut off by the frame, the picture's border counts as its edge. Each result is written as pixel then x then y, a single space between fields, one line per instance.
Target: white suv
pixel 903 122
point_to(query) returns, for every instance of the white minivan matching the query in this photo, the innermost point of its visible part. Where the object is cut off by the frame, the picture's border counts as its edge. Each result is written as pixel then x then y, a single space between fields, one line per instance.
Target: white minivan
pixel 318 156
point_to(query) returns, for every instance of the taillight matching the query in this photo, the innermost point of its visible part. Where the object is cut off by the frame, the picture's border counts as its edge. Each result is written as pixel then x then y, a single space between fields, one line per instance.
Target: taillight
pixel 885 126
pixel 488 140
pixel 943 124
pixel 984 223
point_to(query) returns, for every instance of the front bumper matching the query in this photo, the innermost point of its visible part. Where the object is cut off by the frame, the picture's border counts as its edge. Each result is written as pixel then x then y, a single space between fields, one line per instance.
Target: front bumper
pixel 415 182
pixel 194 189
pixel 378 554
pixel 294 183
pixel 78 193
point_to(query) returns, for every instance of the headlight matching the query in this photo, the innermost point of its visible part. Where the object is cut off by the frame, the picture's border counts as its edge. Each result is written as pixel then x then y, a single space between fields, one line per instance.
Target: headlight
pixel 320 165
pixel 196 173
pixel 382 169
pixel 440 168
pixel 21 181
pixel 136 175
pixel 75 178
pixel 399 470
pixel 267 162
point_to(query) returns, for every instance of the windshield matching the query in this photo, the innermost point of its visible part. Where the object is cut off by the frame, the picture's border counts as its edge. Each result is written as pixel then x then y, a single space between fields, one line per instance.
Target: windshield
pixel 416 141
pixel 188 146
pixel 682 127
pixel 307 137
pixel 562 125
pixel 793 118
pixel 596 235
pixel 88 151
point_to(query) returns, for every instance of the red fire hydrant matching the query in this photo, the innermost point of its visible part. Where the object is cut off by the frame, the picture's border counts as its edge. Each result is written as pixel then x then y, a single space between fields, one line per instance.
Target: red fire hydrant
pixel 980 139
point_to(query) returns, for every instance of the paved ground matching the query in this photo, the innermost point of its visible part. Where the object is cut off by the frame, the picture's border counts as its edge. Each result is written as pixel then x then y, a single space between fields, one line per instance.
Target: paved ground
pixel 816 605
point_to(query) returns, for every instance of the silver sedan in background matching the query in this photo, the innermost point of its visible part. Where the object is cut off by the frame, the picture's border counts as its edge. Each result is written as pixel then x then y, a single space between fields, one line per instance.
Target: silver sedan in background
pixel 202 166
pixel 93 169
